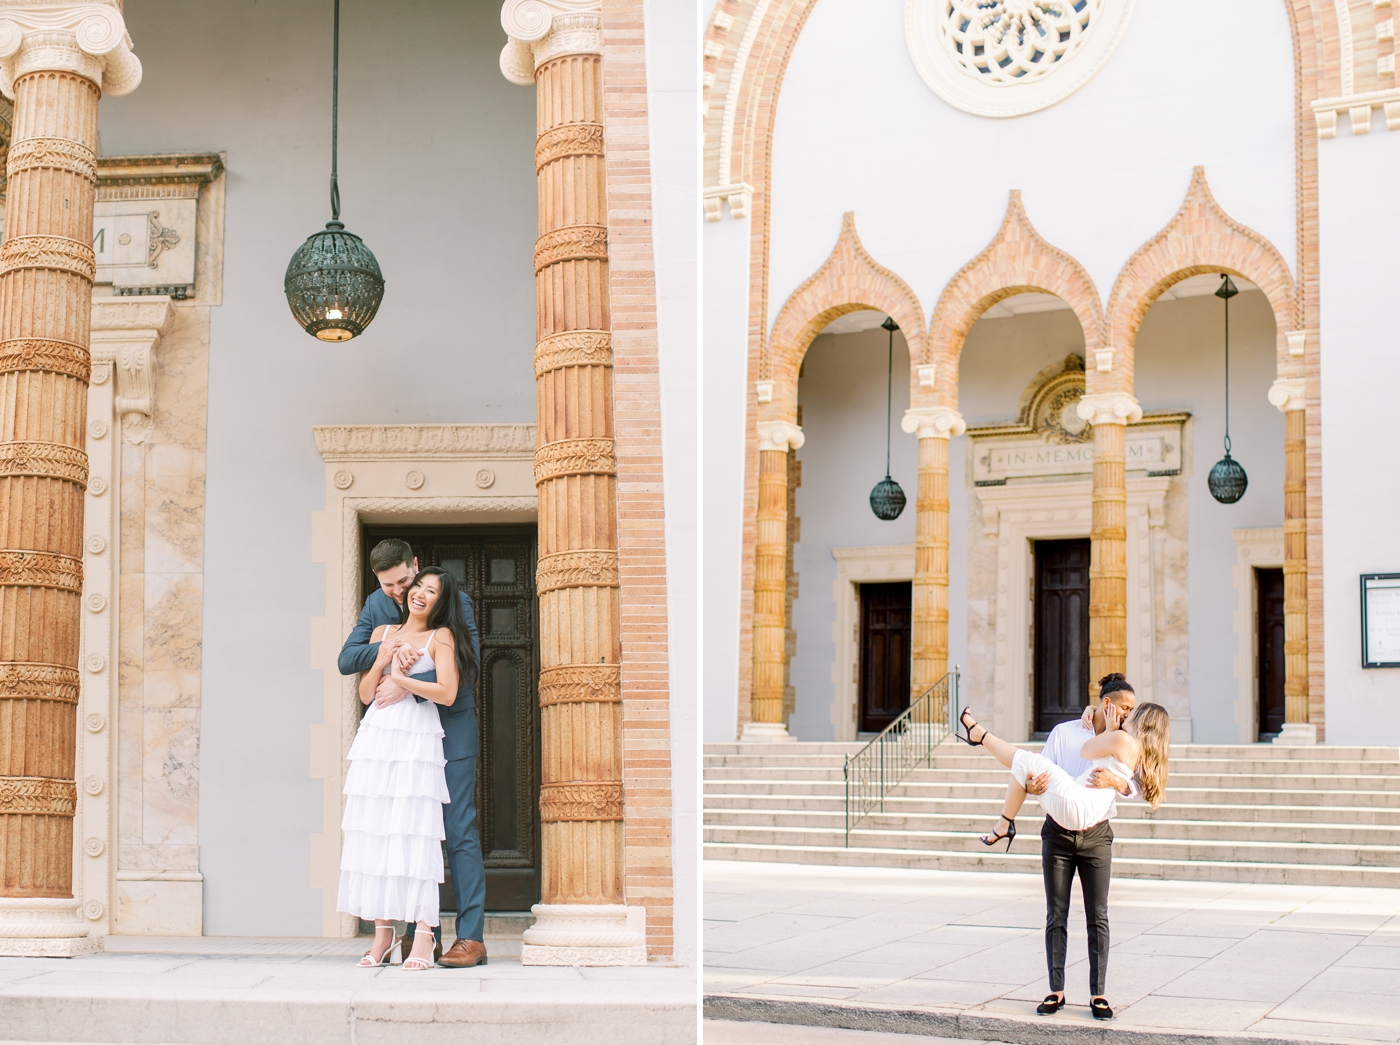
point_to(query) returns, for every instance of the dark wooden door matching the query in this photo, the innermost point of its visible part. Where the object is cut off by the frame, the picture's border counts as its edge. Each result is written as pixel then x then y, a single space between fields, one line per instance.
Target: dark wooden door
pixel 886 616
pixel 1268 586
pixel 1061 631
pixel 496 566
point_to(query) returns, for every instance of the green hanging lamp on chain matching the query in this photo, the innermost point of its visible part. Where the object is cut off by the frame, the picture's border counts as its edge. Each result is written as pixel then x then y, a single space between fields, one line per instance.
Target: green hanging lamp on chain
pixel 1227 481
pixel 333 283
pixel 887 499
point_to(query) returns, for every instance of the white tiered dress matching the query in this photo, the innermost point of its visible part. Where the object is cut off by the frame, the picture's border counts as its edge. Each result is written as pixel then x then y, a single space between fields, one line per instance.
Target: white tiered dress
pixel 391 865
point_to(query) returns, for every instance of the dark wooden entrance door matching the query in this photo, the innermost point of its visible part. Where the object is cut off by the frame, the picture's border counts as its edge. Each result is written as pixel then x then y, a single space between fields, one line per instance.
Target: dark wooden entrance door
pixel 886 616
pixel 496 566
pixel 1061 631
pixel 1268 586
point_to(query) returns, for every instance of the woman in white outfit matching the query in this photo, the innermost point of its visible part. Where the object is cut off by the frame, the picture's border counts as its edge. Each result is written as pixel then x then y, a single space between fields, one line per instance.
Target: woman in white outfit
pixel 391 866
pixel 1134 748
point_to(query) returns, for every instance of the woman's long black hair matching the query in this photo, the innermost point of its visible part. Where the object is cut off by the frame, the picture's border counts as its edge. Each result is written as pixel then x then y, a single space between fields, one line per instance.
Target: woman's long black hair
pixel 447 613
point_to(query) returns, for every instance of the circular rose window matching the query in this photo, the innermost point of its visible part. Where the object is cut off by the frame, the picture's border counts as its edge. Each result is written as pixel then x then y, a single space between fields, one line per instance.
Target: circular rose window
pixel 1011 57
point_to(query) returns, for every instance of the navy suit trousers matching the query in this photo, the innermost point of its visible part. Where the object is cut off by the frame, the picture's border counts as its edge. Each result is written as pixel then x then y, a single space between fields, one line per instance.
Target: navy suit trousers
pixel 464 849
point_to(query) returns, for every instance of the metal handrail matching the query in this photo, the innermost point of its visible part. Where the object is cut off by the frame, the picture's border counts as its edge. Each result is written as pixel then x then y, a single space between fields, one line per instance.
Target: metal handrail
pixel 900 748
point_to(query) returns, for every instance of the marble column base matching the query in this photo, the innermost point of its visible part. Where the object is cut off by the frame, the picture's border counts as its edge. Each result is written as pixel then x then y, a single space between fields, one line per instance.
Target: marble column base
pixel 32 927
pixel 1297 734
pixel 764 733
pixel 585 934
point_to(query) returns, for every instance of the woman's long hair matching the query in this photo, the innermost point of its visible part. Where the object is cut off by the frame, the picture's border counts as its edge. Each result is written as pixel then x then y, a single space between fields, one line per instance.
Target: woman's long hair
pixel 1153 728
pixel 447 613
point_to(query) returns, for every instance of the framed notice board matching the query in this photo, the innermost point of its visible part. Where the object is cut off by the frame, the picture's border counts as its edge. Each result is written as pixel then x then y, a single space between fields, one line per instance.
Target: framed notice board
pixel 1380 620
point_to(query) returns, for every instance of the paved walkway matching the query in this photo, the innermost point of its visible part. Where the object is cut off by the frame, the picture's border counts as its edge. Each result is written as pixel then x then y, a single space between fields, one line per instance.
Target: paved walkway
pixel 1313 962
pixel 234 991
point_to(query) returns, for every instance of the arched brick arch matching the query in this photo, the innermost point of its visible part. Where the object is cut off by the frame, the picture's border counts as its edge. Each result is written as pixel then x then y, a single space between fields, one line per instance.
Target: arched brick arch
pixel 1017 260
pixel 847 281
pixel 1200 238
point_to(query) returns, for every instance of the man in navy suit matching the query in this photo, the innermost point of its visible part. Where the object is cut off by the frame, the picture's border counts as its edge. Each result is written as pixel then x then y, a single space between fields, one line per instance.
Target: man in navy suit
pixel 395 566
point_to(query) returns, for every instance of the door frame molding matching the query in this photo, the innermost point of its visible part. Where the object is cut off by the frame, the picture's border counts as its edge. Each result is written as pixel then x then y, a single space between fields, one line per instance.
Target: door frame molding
pixel 879 563
pixel 1253 547
pixel 1034 616
pixel 1015 516
pixel 417 475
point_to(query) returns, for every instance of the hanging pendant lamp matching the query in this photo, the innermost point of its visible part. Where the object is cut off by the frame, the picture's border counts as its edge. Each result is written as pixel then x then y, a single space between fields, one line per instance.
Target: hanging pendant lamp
pixel 1227 481
pixel 887 499
pixel 333 283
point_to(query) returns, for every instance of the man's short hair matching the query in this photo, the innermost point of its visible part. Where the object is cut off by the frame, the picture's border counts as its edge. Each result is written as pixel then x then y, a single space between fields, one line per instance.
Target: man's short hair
pixel 389 553
pixel 1114 682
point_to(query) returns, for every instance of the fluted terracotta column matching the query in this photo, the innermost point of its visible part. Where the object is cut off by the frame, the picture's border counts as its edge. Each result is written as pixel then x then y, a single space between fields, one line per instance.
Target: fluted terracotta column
pixel 581 919
pixel 775 439
pixel 58 60
pixel 933 425
pixel 1110 414
pixel 1287 395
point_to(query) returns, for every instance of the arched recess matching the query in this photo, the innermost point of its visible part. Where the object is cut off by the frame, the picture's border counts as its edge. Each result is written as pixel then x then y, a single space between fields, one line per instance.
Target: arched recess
pixel 1201 238
pixel 1018 260
pixel 847 281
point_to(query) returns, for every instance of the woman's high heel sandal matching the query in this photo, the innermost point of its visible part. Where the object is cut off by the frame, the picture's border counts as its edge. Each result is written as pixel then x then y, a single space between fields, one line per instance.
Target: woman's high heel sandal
pixel 993 838
pixel 368 962
pixel 424 964
pixel 969 725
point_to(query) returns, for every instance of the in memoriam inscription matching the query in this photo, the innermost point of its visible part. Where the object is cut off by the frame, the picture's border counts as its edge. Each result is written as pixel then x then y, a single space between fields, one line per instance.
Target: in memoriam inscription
pixel 1154 448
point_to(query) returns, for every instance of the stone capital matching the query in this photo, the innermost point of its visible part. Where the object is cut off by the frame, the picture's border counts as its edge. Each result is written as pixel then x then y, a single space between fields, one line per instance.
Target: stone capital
pixel 543 29
pixel 933 422
pixel 1110 408
pixel 88 39
pixel 780 436
pixel 1286 393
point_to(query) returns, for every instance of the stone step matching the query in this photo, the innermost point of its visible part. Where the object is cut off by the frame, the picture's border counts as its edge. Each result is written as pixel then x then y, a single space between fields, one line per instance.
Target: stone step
pixel 944 763
pixel 1267 752
pixel 1015 862
pixel 1161 849
pixel 998 775
pixel 1176 795
pixel 1386 815
pixel 1029 823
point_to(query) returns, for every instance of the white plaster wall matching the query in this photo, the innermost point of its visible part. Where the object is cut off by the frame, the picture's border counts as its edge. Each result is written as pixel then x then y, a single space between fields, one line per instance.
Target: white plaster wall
pixel 437 175
pixel 724 399
pixel 1360 268
pixel 1192 82
pixel 672 31
pixel 1180 366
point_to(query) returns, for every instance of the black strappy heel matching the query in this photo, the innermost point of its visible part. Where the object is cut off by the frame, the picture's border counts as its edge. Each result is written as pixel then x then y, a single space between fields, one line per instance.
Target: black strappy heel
pixel 1100 1010
pixel 1010 835
pixel 969 727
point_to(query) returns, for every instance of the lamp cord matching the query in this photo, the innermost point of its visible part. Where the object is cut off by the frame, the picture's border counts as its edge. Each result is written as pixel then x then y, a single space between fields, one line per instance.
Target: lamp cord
pixel 889 416
pixel 1227 373
pixel 335 115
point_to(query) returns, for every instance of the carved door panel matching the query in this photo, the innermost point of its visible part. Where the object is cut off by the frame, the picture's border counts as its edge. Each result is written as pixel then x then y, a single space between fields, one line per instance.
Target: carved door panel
pixel 1061 631
pixel 886 617
pixel 496 566
pixel 1268 584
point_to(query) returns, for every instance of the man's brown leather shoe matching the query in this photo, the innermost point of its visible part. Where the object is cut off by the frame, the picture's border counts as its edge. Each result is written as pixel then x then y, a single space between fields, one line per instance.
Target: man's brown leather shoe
pixel 464 954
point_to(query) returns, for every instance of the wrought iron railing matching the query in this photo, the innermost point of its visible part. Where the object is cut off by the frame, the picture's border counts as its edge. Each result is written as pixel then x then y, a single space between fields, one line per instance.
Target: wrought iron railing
pixel 902 746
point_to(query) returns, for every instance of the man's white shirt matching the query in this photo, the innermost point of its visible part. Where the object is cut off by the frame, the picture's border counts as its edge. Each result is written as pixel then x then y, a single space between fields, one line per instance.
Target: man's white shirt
pixel 1062 747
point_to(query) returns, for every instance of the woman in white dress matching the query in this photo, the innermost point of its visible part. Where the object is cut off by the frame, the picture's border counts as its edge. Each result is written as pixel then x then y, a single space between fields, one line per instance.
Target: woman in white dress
pixel 1134 748
pixel 391 865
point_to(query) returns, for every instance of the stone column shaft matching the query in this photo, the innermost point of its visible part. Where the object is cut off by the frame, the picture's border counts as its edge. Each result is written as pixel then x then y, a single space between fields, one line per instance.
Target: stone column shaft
pixel 54 71
pixel 770 583
pixel 1295 568
pixel 1108 557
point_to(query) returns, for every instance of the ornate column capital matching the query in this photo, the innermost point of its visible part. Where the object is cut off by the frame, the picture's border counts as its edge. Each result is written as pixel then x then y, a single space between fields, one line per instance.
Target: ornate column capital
pixel 933 422
pixel 543 29
pixel 88 39
pixel 1286 393
pixel 1110 408
pixel 780 436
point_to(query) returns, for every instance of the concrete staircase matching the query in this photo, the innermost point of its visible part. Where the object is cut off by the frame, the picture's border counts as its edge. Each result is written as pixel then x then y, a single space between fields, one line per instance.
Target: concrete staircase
pixel 1236 813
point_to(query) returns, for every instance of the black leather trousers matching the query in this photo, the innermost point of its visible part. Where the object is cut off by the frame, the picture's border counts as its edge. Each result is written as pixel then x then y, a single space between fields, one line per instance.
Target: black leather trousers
pixel 1062 853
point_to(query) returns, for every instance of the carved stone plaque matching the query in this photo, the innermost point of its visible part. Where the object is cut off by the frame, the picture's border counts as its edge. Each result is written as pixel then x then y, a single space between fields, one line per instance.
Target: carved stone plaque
pixel 145 246
pixel 1153 448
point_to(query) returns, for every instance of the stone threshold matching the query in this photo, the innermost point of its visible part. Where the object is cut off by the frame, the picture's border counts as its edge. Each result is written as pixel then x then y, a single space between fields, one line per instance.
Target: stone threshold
pixel 1061 1029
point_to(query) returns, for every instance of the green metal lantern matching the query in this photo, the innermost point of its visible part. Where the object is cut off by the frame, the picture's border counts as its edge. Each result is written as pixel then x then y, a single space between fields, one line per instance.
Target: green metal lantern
pixel 1227 480
pixel 887 499
pixel 333 283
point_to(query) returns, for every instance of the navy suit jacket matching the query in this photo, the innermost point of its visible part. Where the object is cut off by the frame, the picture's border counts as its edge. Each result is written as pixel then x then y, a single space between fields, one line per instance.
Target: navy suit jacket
pixel 462 739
